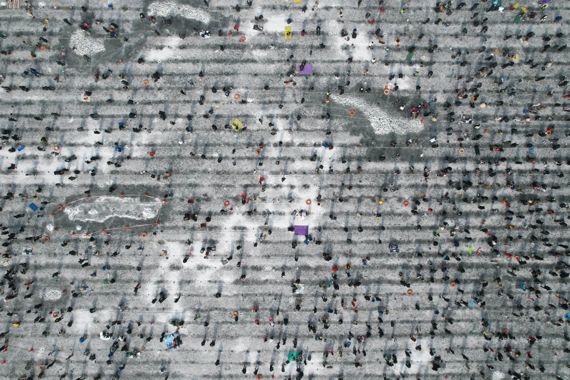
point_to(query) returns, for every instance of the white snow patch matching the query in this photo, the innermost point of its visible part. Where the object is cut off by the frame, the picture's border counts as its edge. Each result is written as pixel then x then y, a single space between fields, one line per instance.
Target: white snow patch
pixel 405 83
pixel 83 44
pixel 381 122
pixel 498 375
pixel 175 250
pixel 259 54
pixel 171 8
pixel 28 171
pixel 82 320
pixel 243 344
pixel 276 24
pixel 419 359
pixel 357 47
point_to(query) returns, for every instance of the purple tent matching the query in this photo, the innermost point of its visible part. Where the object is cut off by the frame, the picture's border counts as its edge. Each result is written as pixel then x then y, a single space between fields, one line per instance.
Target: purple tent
pixel 301 230
pixel 306 69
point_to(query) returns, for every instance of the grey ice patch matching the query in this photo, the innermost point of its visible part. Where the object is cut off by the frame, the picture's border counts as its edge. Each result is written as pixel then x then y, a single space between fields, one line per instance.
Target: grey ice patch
pixel 106 207
pixel 171 8
pixel 382 123
pixel 83 44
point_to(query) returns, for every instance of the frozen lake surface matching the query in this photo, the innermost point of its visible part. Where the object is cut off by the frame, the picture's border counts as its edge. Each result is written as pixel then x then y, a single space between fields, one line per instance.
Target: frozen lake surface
pixel 284 189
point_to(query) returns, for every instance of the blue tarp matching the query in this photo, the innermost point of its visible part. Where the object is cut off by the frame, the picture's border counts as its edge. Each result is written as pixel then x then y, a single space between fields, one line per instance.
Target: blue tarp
pixel 172 340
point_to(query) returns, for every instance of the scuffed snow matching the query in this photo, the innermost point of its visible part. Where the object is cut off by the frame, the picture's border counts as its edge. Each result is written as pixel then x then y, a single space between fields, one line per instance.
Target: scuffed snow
pixel 83 44
pixel 102 208
pixel 171 8
pixel 381 122
pixel 52 294
pixel 168 52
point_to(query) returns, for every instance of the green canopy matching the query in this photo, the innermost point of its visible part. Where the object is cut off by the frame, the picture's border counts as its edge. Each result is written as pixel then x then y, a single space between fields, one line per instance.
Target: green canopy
pixel 292 355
